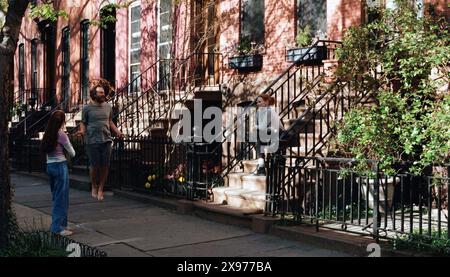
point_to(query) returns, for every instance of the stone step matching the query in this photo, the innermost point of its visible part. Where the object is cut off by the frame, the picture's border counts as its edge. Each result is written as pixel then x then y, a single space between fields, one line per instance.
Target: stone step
pixel 250 165
pixel 255 199
pixel 220 196
pixel 254 182
pixel 235 180
pixel 243 199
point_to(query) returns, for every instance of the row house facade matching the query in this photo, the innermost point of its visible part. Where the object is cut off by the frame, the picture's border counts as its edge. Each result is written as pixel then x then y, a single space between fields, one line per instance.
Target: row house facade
pixel 56 60
pixel 157 54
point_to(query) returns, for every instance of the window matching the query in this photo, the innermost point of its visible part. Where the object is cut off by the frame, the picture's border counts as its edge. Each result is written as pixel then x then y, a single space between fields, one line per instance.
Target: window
pixel 34 73
pixel 21 67
pixel 164 42
pixel 252 21
pixel 65 84
pixel 312 13
pixel 135 46
pixel 84 63
pixel 373 14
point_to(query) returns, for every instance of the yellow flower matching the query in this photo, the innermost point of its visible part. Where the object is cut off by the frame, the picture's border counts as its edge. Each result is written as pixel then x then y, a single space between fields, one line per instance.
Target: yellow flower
pixel 147 185
pixel 149 178
pixel 154 177
pixel 181 179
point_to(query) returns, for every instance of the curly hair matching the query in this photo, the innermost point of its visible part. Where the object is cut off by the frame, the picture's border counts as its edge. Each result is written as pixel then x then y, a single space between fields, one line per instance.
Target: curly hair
pixel 103 84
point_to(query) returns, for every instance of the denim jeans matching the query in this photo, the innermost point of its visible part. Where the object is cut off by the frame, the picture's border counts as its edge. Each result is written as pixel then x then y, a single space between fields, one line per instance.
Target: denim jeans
pixel 59 186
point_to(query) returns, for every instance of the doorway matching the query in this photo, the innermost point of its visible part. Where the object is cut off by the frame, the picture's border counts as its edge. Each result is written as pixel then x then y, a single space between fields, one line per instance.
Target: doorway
pixel 108 45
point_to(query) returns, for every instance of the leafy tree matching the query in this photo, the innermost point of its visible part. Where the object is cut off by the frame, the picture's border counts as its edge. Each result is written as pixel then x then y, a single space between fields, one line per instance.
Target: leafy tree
pixel 8 42
pixel 13 12
pixel 404 59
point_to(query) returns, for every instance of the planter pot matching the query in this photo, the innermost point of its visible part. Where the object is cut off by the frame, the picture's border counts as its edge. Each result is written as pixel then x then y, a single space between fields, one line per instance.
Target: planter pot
pixel 386 192
pixel 330 67
pixel 315 55
pixel 246 62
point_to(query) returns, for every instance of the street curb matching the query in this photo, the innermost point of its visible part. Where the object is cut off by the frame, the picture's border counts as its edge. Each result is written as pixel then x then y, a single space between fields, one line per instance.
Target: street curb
pixel 352 244
pixel 355 246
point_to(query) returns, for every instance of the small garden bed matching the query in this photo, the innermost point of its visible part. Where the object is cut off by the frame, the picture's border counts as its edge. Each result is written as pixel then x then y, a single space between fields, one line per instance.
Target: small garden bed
pixel 433 245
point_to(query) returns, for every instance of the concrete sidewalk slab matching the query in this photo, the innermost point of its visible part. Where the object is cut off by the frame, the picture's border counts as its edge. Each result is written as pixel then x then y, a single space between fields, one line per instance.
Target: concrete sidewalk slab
pixel 125 227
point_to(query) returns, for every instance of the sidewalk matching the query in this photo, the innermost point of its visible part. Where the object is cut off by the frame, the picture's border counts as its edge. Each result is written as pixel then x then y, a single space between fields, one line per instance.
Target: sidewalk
pixel 125 227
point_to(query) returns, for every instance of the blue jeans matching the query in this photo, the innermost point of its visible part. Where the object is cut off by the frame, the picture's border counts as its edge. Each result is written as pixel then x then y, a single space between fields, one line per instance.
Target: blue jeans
pixel 59 186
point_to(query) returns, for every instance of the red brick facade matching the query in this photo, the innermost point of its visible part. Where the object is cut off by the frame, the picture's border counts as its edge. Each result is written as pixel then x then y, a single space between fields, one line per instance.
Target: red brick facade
pixel 280 32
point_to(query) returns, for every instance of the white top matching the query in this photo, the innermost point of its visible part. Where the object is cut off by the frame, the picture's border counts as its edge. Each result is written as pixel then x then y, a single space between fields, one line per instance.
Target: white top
pixel 267 117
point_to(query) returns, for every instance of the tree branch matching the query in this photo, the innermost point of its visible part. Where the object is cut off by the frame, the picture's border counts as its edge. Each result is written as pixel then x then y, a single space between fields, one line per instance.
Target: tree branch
pixel 11 29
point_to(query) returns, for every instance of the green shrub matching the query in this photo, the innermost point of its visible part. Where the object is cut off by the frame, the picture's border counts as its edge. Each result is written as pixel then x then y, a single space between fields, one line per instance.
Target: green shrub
pixel 410 121
pixel 31 244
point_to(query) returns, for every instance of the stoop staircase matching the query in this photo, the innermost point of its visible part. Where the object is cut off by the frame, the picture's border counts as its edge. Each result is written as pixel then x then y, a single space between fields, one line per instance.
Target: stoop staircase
pixel 308 108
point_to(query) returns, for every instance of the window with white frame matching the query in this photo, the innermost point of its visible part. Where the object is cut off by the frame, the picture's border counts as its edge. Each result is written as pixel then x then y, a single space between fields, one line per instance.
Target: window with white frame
pixel 391 4
pixel 134 46
pixel 312 13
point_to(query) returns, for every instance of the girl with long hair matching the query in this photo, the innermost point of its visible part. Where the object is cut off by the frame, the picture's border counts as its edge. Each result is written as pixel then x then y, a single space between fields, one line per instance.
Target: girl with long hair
pixel 53 145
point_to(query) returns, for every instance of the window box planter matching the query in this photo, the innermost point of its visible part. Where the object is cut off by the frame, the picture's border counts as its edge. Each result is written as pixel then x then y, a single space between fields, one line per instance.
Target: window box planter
pixel 314 56
pixel 246 62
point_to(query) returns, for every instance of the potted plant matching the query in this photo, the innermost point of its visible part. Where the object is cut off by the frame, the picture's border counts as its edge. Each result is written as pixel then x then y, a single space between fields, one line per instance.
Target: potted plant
pixel 246 56
pixel 19 109
pixel 303 52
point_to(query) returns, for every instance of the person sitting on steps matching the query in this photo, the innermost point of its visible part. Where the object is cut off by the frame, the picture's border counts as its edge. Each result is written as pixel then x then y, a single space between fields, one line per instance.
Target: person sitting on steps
pixel 268 123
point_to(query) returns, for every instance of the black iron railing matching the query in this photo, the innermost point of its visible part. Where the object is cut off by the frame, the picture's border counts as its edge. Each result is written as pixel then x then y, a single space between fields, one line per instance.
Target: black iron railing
pixel 294 85
pixel 149 98
pixel 158 166
pixel 331 195
pixel 151 165
pixel 177 80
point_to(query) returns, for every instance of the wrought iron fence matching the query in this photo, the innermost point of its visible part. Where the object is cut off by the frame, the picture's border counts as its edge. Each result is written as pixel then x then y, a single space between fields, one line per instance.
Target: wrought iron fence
pixel 324 191
pixel 159 166
pixel 26 155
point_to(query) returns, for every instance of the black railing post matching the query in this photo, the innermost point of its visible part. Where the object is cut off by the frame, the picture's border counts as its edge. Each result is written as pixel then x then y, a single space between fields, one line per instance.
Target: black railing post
pixel 448 201
pixel 271 168
pixel 317 190
pixel 376 191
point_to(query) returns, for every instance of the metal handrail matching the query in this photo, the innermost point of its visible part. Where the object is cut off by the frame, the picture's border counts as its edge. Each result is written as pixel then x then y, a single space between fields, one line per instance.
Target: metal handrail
pixel 270 91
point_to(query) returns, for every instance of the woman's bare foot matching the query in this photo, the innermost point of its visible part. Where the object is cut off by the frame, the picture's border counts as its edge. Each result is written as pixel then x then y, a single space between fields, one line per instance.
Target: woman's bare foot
pixel 94 192
pixel 100 195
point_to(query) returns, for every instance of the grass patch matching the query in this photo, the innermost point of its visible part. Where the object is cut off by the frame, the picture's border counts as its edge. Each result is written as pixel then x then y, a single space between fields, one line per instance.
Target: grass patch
pixel 31 244
pixel 433 244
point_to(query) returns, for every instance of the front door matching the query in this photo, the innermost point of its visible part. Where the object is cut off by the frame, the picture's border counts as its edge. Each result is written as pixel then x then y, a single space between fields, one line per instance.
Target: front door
pixel 49 64
pixel 65 77
pixel 108 46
